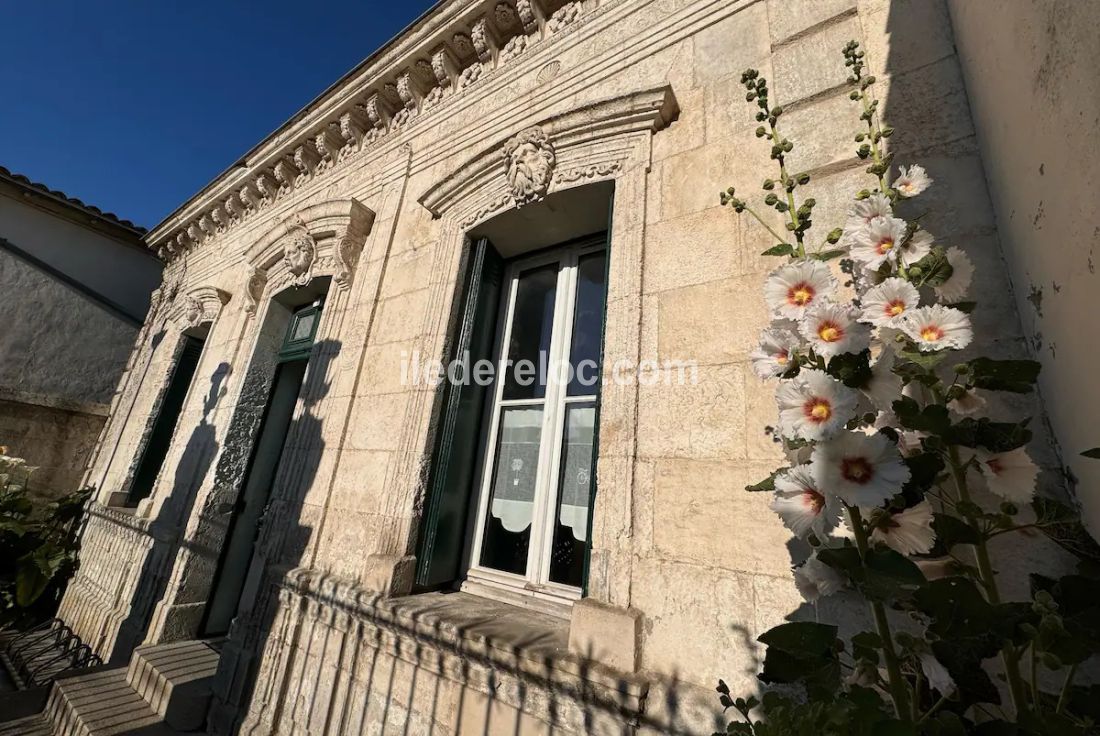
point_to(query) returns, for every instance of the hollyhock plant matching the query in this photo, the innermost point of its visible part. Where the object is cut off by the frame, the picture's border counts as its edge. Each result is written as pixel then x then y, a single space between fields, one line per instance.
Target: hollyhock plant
pixel 886 430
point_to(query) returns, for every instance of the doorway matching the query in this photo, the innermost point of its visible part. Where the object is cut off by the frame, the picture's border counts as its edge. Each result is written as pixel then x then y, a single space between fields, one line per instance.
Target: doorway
pixel 239 550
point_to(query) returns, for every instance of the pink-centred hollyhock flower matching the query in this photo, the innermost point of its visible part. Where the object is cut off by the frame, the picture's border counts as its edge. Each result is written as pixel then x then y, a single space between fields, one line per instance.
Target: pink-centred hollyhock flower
pixel 937 327
pixel 879 242
pixel 814 405
pixel 911 181
pixel 884 305
pixel 832 329
pixel 778 345
pixel 801 505
pixel 863 470
pixel 885 386
pixel 916 247
pixel 909 531
pixel 791 289
pixel 1011 475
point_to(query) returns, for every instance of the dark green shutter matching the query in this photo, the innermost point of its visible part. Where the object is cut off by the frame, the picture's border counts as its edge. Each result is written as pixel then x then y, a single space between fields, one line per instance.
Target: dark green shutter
pixel 160 439
pixel 443 528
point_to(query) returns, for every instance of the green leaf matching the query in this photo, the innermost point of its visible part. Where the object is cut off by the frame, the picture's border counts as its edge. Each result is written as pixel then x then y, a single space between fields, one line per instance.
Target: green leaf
pixel 966 307
pixel 993 436
pixel 951 530
pixel 30 582
pixel 883 575
pixel 934 267
pixel 851 369
pixel 802 651
pixel 1063 526
pixel 1094 453
pixel 924 468
pixel 768 484
pixel 801 638
pixel 932 418
pixel 928 360
pixel 783 249
pixel 1017 376
pixel 828 255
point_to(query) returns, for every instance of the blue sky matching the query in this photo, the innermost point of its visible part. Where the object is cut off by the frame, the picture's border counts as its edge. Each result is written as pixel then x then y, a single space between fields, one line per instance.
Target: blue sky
pixel 134 105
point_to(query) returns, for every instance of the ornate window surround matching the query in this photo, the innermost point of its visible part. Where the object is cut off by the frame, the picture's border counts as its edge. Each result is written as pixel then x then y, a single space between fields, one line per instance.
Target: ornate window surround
pixel 608 140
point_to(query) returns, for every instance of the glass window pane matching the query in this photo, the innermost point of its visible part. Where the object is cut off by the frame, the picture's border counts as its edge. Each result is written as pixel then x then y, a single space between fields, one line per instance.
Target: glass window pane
pixel 574 495
pixel 584 353
pixel 532 325
pixel 512 504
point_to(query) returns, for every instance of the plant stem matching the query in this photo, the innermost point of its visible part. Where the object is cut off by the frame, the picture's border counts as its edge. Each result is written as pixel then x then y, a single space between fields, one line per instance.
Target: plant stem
pixel 899 690
pixel 989 582
pixel 783 180
pixel 938 704
pixel 1065 689
pixel 874 132
pixel 767 227
pixel 1034 680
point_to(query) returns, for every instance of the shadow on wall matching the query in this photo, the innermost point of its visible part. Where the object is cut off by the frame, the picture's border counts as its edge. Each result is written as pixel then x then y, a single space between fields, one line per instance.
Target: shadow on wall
pixel 169 526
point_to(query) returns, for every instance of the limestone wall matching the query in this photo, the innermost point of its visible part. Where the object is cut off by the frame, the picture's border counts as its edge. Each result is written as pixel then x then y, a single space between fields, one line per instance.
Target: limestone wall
pixel 688 567
pixel 1036 106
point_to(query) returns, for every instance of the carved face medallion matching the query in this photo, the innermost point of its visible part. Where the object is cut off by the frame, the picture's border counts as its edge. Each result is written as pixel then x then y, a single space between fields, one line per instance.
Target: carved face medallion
pixel 299 251
pixel 530 159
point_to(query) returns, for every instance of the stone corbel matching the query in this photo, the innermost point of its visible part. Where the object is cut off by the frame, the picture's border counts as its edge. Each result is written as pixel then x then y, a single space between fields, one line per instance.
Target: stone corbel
pixel 379 114
pixel 285 173
pixel 232 209
pixel 485 40
pixel 563 17
pixel 353 127
pixel 328 144
pixel 529 15
pixel 208 226
pixel 195 233
pixel 305 160
pixel 267 190
pixel 249 200
pixel 320 240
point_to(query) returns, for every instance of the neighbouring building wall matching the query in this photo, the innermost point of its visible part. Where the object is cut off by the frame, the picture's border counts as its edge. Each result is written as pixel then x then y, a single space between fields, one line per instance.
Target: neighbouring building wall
pixel 1031 74
pixel 72 298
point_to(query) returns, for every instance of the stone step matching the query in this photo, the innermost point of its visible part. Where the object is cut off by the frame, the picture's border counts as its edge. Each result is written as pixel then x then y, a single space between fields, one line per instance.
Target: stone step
pixel 98 704
pixel 174 679
pixel 36 725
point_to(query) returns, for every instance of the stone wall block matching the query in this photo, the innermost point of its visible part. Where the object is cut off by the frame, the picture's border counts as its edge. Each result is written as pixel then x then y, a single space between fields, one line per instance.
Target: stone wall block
pixel 813 63
pixel 704 420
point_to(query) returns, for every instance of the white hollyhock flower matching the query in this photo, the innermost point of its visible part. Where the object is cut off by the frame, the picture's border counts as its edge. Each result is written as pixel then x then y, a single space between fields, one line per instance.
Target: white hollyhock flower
pixel 863 211
pixel 773 356
pixel 863 470
pixel 1011 475
pixel 884 388
pixel 793 288
pixel 938 676
pixel 801 505
pixel 911 181
pixel 814 579
pixel 937 327
pixel 814 405
pixel 916 247
pixel 909 531
pixel 879 242
pixel 832 329
pixel 883 305
pixel 969 404
pixel 962 273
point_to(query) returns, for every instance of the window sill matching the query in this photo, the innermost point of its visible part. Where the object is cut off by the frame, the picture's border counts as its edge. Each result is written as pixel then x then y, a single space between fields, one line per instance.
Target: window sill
pixel 550 602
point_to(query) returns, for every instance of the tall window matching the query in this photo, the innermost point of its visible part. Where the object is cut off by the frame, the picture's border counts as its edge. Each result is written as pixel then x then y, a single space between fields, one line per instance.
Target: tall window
pixel 164 426
pixel 537 481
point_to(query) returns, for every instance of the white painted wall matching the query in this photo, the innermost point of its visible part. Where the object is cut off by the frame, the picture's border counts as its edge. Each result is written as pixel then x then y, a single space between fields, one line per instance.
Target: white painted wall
pixel 1031 74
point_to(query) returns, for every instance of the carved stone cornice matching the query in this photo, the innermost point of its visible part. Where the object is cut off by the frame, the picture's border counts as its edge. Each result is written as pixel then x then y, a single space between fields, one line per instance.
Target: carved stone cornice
pixel 320 240
pixel 467 40
pixel 594 142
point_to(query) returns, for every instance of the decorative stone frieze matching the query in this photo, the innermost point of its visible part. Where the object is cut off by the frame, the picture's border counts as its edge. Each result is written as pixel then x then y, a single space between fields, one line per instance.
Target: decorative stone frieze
pixel 480 42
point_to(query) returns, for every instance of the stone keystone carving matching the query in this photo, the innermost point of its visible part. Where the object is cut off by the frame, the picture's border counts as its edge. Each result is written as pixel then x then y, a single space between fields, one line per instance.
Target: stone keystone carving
pixel 192 311
pixel 529 158
pixel 299 253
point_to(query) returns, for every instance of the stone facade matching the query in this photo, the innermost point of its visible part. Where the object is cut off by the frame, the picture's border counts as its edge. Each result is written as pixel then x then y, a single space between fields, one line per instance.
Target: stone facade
pixel 507 119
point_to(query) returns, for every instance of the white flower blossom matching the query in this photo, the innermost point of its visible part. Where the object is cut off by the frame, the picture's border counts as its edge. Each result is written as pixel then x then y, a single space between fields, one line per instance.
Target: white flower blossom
pixel 814 579
pixel 1011 475
pixel 908 532
pixel 863 470
pixel 916 247
pixel 832 329
pixel 956 288
pixel 911 181
pixel 802 507
pixel 937 327
pixel 969 404
pixel 879 242
pixel 814 405
pixel 883 305
pixel 938 677
pixel 863 211
pixel 885 386
pixel 772 357
pixel 793 288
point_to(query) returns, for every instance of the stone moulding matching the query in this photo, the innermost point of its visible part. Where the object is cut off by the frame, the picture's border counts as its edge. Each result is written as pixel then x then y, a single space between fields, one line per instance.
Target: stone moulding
pixel 590 143
pixel 472 37
pixel 320 240
pixel 200 305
